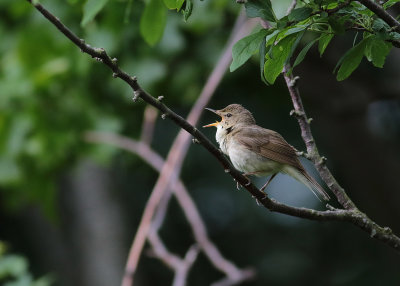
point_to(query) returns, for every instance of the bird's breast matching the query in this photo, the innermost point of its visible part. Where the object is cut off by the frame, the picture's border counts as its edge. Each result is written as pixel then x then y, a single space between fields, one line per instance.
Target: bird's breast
pixel 248 161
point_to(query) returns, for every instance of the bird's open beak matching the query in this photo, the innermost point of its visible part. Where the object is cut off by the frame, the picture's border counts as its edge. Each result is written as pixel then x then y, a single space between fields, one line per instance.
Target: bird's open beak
pixel 212 124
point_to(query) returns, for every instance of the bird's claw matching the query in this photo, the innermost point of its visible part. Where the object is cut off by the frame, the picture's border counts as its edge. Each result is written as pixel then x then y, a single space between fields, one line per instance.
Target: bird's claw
pixel 257 201
pixel 238 185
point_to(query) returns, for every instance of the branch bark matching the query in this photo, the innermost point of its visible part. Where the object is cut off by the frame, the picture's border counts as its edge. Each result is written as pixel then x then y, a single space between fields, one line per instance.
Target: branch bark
pixel 312 150
pixel 381 13
pixel 350 215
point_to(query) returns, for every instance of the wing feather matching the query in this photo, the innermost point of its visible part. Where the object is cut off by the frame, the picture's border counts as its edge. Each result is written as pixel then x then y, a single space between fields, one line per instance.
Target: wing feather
pixel 268 144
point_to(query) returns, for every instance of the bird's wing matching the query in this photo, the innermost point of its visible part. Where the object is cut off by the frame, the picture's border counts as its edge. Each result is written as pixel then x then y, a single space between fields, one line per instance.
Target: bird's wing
pixel 268 144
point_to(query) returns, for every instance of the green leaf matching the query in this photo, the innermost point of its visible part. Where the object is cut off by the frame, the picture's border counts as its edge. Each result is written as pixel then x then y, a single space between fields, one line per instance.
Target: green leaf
pixel 263 51
pixel 390 3
pixel 188 10
pixel 394 36
pixel 245 48
pixel 174 4
pixel 280 53
pixel 303 53
pixel 337 24
pixel 271 38
pixel 153 21
pixel 91 9
pixel 351 60
pixel 376 51
pixel 260 8
pixel 295 30
pixel 13 266
pixel 324 42
pixel 300 14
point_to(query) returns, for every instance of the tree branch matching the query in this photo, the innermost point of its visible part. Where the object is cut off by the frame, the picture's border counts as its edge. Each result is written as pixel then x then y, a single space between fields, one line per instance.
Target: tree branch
pixel 312 150
pixel 354 216
pixel 381 13
pixel 149 119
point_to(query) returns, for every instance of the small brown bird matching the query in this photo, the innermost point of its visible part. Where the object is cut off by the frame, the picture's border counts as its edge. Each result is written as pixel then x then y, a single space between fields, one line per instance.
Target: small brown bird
pixel 258 151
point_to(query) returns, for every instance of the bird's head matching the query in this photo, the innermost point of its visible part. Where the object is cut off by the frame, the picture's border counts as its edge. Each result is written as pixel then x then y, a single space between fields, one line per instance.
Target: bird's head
pixel 231 116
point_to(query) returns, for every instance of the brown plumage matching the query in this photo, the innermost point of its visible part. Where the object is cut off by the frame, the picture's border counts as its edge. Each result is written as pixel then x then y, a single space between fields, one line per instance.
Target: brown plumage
pixel 258 151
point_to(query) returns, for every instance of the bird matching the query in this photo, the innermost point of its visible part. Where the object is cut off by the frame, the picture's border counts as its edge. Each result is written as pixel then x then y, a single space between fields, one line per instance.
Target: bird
pixel 257 151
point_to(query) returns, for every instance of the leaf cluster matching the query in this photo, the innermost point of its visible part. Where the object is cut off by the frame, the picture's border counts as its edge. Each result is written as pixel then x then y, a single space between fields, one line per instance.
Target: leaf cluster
pixel 153 19
pixel 323 20
pixel 14 270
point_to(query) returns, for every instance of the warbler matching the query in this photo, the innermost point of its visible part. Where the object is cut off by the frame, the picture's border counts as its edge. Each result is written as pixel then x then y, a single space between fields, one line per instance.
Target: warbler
pixel 257 151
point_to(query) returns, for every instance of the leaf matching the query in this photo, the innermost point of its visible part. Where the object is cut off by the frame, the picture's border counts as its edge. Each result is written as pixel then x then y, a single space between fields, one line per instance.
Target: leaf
pixel 245 48
pixel 294 46
pixel 263 51
pixel 260 8
pixel 303 53
pixel 280 52
pixel 390 3
pixel 300 14
pixel 153 21
pixel 271 38
pixel 295 29
pixel 337 24
pixel 188 10
pixel 351 60
pixel 174 4
pixel 324 41
pixel 13 266
pixel 394 36
pixel 91 9
pixel 376 51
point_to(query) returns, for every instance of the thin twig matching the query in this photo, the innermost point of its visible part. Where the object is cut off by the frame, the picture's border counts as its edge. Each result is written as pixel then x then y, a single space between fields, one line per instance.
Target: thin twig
pixel 149 119
pixel 357 218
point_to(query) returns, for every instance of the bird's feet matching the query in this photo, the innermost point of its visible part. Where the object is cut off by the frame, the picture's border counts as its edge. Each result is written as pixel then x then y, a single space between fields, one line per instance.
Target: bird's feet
pixel 238 185
pixel 257 201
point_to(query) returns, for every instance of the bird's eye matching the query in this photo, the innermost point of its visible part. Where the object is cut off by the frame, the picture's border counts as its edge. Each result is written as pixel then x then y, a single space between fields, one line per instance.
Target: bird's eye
pixel 228 115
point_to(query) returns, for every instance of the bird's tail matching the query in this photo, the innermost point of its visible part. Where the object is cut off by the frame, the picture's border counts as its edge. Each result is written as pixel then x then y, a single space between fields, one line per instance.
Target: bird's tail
pixel 302 176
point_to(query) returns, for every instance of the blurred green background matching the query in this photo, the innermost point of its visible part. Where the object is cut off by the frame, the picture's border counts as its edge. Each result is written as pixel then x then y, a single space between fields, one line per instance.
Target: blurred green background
pixel 71 208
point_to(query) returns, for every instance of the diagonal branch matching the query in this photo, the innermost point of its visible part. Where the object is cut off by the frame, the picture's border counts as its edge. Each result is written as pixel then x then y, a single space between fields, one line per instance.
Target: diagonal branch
pixel 381 13
pixel 354 216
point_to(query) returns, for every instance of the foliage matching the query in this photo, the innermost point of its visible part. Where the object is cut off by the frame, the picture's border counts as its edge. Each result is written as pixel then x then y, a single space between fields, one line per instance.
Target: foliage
pixel 14 271
pixel 51 92
pixel 324 20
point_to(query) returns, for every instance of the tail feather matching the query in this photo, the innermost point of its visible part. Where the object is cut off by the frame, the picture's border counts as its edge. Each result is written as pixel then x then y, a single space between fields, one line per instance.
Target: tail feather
pixel 302 176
